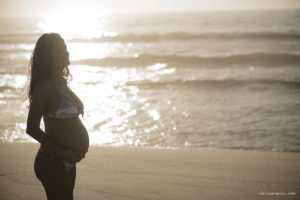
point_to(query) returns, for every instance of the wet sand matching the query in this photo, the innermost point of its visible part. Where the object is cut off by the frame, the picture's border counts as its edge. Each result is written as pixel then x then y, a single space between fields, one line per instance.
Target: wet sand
pixel 120 173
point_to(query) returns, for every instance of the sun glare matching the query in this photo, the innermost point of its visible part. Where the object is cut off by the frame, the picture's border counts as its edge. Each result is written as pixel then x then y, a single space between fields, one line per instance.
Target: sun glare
pixel 76 21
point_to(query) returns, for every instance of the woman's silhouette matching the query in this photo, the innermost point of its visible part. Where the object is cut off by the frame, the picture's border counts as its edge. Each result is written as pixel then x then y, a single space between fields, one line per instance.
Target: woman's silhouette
pixel 65 140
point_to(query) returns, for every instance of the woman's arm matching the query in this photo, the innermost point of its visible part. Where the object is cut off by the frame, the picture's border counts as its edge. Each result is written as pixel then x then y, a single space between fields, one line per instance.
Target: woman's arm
pixel 39 101
pixel 40 97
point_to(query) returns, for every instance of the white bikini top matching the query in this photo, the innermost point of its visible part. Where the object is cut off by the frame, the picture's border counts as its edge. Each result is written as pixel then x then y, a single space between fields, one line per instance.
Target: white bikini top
pixel 70 105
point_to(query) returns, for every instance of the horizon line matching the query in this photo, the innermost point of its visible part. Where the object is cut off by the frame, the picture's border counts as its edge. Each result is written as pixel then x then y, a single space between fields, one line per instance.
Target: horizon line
pixel 167 12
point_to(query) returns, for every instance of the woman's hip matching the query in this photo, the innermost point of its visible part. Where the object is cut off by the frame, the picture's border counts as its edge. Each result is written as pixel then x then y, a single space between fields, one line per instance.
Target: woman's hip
pixel 50 165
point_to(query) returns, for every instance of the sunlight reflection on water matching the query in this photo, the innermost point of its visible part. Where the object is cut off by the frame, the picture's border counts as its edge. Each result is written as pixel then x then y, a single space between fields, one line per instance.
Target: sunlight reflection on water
pixel 115 111
pixel 73 26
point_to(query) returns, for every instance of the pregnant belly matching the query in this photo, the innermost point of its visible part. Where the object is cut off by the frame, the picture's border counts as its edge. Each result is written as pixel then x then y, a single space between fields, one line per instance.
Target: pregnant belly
pixel 68 133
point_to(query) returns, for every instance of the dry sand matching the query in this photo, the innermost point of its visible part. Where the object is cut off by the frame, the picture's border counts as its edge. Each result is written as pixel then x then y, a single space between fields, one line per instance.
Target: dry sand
pixel 119 173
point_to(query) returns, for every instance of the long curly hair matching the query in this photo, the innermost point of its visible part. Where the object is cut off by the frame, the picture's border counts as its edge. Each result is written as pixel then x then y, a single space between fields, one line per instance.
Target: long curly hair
pixel 41 62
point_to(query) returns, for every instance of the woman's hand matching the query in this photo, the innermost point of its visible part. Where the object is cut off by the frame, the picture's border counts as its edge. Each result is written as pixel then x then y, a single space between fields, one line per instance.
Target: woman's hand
pixel 72 156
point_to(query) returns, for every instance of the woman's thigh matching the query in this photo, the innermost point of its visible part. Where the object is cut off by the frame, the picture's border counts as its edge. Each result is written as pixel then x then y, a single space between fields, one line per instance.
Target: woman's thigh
pixel 57 181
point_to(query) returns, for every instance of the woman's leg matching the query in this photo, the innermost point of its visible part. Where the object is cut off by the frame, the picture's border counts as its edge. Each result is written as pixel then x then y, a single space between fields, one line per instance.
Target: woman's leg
pixel 57 181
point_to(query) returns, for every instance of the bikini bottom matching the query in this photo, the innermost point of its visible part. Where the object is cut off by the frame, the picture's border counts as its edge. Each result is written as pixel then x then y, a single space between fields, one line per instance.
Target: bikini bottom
pixel 56 175
pixel 56 156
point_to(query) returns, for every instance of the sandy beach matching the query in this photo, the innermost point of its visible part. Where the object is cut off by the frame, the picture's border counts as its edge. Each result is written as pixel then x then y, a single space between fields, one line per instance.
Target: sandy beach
pixel 120 173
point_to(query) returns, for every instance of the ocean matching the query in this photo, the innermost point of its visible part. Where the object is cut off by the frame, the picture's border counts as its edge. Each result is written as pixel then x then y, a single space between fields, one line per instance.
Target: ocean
pixel 203 80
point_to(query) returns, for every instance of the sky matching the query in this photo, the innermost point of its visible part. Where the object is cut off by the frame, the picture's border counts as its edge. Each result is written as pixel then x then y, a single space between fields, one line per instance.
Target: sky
pixel 51 7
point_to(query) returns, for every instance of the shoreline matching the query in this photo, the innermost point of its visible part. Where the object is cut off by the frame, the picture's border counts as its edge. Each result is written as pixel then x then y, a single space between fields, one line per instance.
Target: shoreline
pixel 171 148
pixel 149 173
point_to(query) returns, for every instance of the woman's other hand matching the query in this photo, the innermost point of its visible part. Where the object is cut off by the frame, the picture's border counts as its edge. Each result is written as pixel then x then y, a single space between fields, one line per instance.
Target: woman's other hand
pixel 72 156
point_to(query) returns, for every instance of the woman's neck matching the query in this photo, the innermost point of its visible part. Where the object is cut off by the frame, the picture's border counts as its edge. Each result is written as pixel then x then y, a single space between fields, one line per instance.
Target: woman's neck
pixel 58 80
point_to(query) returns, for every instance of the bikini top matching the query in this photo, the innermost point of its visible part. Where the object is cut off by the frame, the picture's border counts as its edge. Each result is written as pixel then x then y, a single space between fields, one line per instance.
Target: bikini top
pixel 69 106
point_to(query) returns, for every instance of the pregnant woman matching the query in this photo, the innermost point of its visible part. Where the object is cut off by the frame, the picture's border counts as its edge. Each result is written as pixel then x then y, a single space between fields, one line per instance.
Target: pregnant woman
pixel 65 140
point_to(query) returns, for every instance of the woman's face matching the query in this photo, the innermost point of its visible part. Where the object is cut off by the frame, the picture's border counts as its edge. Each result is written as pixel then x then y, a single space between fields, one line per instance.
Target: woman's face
pixel 60 56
